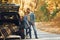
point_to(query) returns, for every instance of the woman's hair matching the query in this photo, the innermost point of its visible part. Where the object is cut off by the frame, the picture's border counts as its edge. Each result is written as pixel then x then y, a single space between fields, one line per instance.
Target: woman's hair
pixel 28 8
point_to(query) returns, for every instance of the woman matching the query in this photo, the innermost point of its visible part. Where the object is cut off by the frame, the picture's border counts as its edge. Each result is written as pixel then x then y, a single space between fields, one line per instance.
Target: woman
pixel 27 25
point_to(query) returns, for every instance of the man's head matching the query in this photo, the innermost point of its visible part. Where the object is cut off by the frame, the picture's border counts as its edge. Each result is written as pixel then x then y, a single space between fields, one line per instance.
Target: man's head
pixel 28 10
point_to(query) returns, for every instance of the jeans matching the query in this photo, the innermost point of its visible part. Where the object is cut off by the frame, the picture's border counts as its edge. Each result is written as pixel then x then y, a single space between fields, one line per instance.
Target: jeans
pixel 28 31
pixel 33 26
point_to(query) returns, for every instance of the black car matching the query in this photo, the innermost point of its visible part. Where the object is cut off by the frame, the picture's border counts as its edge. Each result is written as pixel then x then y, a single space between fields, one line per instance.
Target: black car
pixel 10 23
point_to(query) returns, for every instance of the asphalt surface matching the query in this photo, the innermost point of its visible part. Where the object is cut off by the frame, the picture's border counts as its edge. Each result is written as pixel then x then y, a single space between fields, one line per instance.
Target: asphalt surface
pixel 45 35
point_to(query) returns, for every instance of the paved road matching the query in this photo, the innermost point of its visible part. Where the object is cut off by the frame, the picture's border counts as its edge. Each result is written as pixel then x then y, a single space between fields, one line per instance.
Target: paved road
pixel 46 36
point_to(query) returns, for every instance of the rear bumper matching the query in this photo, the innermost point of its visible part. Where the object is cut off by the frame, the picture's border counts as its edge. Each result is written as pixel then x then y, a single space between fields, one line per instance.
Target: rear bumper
pixel 11 37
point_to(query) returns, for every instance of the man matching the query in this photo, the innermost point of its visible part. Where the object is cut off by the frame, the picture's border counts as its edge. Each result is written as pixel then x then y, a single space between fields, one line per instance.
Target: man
pixel 31 19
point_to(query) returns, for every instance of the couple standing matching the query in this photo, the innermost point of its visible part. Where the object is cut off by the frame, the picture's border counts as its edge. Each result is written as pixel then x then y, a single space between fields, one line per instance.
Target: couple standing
pixel 29 18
